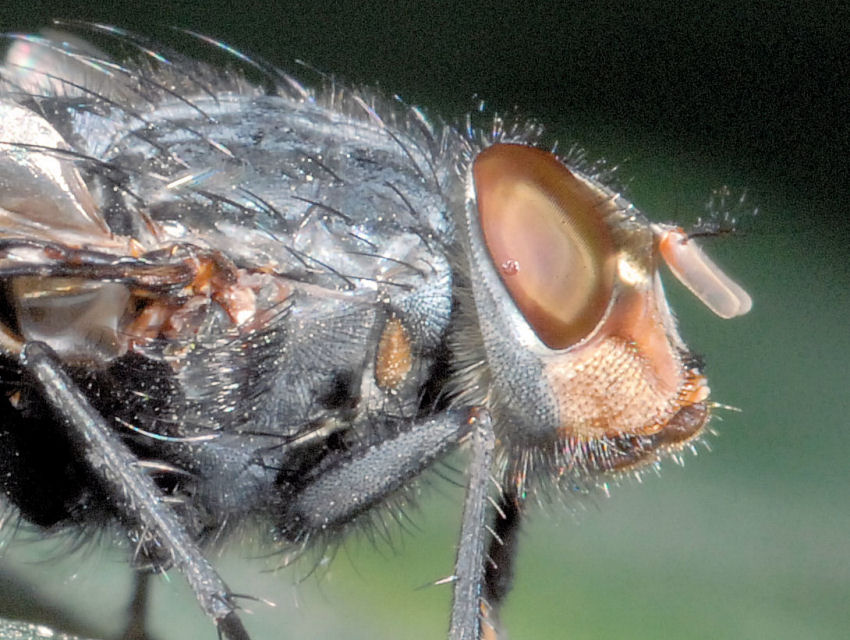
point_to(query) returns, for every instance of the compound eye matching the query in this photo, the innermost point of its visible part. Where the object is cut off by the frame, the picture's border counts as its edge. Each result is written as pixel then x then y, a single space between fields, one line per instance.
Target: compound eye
pixel 548 240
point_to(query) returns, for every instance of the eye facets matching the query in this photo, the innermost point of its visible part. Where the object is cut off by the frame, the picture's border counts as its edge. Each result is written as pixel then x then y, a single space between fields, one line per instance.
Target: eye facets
pixel 550 245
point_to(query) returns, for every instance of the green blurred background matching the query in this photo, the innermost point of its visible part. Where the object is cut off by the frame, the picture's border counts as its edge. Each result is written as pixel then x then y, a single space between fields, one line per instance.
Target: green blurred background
pixel 749 541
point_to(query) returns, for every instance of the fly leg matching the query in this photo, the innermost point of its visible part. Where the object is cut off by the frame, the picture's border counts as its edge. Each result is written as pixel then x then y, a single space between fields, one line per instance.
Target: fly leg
pixel 136 498
pixel 136 627
pixel 355 484
pixel 499 572
pixel 467 622
pixel 350 486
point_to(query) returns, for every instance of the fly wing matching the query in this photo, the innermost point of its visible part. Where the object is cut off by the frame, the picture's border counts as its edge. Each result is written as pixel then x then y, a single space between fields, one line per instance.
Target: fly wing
pixel 42 195
pixel 53 63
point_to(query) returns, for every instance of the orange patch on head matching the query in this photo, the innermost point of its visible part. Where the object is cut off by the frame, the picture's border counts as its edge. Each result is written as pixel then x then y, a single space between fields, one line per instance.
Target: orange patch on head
pixel 627 380
pixel 394 358
pixel 610 389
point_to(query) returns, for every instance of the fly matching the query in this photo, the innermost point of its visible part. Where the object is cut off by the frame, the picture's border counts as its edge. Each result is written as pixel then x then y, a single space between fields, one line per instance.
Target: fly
pixel 228 304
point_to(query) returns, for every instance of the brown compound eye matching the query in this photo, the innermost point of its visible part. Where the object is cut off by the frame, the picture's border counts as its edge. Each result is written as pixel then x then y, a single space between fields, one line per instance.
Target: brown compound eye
pixel 547 238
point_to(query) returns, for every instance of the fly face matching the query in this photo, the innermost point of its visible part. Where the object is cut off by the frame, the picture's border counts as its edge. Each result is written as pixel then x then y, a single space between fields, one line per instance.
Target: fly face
pixel 292 303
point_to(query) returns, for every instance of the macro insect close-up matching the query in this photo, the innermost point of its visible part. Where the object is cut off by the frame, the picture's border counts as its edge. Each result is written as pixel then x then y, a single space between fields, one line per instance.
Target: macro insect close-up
pixel 241 304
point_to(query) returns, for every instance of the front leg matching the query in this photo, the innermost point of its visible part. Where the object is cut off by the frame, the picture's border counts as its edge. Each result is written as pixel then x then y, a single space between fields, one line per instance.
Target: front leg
pixel 366 477
pixel 469 621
